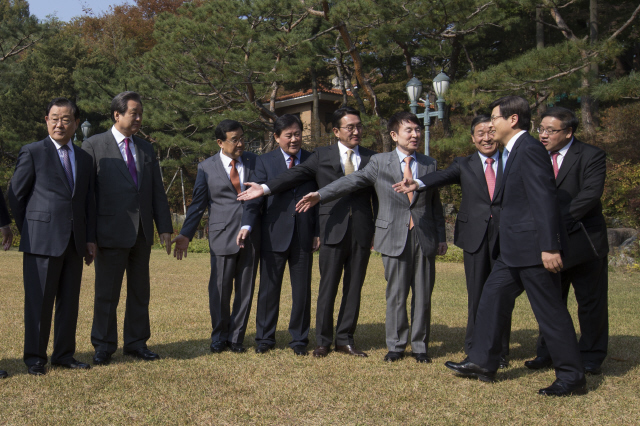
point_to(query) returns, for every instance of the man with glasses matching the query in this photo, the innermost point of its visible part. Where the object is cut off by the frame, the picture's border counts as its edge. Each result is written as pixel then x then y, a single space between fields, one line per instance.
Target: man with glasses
pixel 580 171
pixel 346 229
pixel 529 259
pixel 220 179
pixel 476 232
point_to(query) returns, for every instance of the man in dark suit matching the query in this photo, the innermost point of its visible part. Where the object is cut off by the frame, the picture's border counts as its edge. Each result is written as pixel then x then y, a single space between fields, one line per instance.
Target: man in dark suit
pixel 580 171
pixel 409 233
pixel 476 232
pixel 529 259
pixel 287 237
pixel 130 197
pixel 51 198
pixel 346 229
pixel 7 239
pixel 219 180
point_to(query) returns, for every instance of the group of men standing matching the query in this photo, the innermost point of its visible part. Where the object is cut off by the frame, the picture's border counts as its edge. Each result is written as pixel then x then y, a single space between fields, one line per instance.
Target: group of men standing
pixel 523 213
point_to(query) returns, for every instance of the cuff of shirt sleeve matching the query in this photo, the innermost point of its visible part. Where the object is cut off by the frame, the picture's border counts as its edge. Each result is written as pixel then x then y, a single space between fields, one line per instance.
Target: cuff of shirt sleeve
pixel 266 189
pixel 420 184
pixel 247 227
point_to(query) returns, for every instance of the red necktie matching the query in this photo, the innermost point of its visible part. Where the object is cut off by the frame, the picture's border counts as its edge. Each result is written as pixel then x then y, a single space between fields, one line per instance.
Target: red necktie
pixel 490 176
pixel 292 162
pixel 554 157
pixel 409 175
pixel 234 176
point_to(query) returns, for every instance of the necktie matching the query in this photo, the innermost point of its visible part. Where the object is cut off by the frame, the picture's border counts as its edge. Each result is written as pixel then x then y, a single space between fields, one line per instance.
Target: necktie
pixel 66 164
pixel 131 163
pixel 554 157
pixel 409 175
pixel 234 176
pixel 505 157
pixel 348 165
pixel 490 176
pixel 292 161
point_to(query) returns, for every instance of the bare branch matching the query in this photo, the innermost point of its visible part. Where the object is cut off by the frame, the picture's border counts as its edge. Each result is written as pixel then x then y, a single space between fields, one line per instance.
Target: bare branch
pixel 626 24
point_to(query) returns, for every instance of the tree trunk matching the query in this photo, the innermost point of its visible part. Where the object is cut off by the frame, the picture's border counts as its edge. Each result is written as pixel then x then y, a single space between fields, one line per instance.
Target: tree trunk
pixel 343 88
pixel 539 29
pixel 589 104
pixel 315 115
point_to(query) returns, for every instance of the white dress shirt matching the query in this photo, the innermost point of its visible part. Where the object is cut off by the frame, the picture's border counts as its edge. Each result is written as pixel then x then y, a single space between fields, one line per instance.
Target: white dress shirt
pixel 494 166
pixel 226 163
pixel 355 157
pixel 122 146
pixel 562 152
pixel 509 147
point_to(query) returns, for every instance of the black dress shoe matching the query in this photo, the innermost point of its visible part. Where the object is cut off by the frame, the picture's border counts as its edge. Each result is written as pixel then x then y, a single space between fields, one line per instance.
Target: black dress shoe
pixel 74 364
pixel 538 363
pixel 263 348
pixel 560 388
pixel 101 358
pixel 37 369
pixel 393 356
pixel 300 350
pixel 217 347
pixel 321 351
pixel 350 350
pixel 236 347
pixel 142 353
pixel 593 370
pixel 469 369
pixel 504 363
pixel 3 374
pixel 422 357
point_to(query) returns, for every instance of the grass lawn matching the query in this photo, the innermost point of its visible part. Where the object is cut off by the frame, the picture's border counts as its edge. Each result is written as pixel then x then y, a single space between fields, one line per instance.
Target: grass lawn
pixel 192 386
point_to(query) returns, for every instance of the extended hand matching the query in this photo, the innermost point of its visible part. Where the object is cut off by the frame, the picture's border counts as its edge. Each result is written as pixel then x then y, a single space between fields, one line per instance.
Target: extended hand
pixel 308 201
pixel 181 247
pixel 91 253
pixel 165 240
pixel 242 236
pixel 442 249
pixel 405 186
pixel 7 238
pixel 254 191
pixel 552 261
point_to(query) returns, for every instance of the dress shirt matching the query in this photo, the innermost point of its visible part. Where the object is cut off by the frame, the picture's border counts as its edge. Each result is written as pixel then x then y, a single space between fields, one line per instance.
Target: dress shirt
pixel 122 146
pixel 226 163
pixel 72 156
pixel 509 147
pixel 287 156
pixel 494 166
pixel 355 158
pixel 562 152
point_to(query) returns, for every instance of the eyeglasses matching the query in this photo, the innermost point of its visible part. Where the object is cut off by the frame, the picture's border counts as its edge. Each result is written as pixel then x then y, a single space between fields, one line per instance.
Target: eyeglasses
pixel 550 132
pixel 235 141
pixel 482 134
pixel 64 120
pixel 493 117
pixel 350 128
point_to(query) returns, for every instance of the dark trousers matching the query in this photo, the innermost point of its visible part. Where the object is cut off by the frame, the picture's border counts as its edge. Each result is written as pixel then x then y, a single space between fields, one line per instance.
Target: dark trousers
pixel 111 264
pixel 229 273
pixel 272 266
pixel 543 289
pixel 591 285
pixel 350 257
pixel 477 267
pixel 49 280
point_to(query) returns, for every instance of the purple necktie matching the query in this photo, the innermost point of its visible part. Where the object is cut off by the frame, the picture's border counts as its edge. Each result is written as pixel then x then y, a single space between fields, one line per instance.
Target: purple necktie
pixel 131 164
pixel 66 164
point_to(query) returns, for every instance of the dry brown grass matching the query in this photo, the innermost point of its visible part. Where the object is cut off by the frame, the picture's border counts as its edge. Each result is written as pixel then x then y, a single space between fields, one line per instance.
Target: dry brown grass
pixel 192 386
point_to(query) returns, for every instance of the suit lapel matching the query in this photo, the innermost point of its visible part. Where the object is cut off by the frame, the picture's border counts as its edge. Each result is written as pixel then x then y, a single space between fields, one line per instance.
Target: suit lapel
pixel 476 166
pixel 246 167
pixel 510 159
pixel 54 158
pixel 111 147
pixel 222 173
pixel 568 161
pixel 334 152
pixel 139 163
pixel 499 176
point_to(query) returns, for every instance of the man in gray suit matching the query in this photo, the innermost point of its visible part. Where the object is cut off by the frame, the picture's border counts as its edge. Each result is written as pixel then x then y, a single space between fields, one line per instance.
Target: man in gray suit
pixel 219 180
pixel 409 233
pixel 130 197
pixel 51 198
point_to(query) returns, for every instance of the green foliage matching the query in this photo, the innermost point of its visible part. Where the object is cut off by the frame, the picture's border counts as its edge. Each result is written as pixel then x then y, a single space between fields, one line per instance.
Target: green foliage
pixel 627 87
pixel 621 198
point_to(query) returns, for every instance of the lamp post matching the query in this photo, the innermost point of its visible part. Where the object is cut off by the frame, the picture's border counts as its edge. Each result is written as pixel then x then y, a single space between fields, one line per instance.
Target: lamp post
pixel 414 89
pixel 86 129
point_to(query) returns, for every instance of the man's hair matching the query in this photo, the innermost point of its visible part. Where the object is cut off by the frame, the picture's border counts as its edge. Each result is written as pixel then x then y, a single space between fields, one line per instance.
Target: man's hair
pixel 510 105
pixel 341 112
pixel 284 122
pixel 478 119
pixel 227 126
pixel 64 102
pixel 119 103
pixel 565 115
pixel 398 118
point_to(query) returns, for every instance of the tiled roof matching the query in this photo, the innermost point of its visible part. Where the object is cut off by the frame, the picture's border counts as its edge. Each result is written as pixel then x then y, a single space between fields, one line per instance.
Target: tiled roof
pixel 310 91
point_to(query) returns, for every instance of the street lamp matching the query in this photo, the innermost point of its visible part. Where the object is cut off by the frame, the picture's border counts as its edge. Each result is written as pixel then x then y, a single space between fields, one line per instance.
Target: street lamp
pixel 414 88
pixel 86 129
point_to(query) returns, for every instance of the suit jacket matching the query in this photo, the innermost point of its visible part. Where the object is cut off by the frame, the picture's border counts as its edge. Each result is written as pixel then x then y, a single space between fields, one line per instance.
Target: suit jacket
pixel 580 185
pixel 529 214
pixel 476 208
pixel 395 211
pixel 278 213
pixel 5 219
pixel 324 167
pixel 123 206
pixel 213 190
pixel 45 209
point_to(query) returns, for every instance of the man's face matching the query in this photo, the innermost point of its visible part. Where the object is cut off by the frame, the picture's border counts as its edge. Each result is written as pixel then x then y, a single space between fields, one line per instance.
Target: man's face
pixel 407 137
pixel 61 124
pixel 290 140
pixel 129 122
pixel 233 147
pixel 350 131
pixel 550 137
pixel 503 126
pixel 482 138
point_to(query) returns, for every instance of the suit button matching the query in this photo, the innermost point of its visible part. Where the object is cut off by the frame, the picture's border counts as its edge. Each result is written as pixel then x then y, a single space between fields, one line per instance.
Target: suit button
pixel 293 215
pixel 407 225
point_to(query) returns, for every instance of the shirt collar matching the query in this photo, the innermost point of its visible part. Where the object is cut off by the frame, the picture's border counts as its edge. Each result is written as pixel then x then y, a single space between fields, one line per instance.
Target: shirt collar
pixel 119 136
pixel 402 155
pixel 494 156
pixel 512 141
pixel 564 150
pixel 58 146
pixel 226 160
pixel 343 149
pixel 286 156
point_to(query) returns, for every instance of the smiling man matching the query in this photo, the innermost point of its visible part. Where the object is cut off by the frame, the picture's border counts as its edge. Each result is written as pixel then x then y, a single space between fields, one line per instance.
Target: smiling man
pixel 476 231
pixel 409 233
